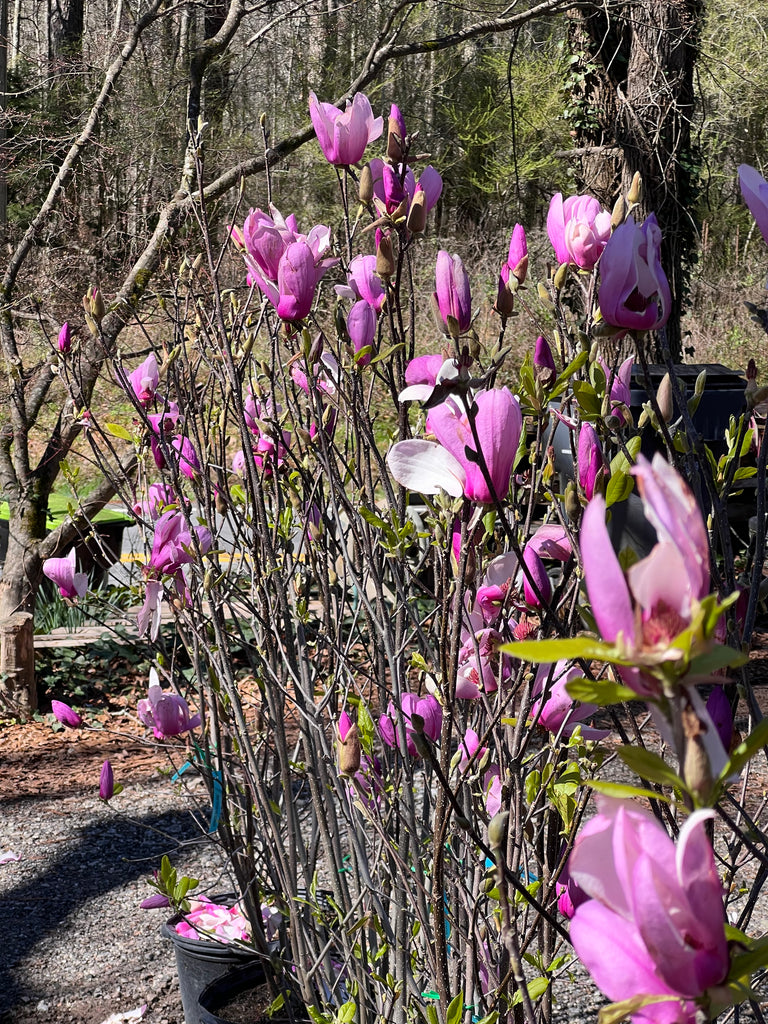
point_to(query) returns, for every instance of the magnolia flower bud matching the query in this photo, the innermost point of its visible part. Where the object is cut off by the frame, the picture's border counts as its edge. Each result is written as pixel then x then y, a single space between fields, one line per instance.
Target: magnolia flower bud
pixel 635 189
pixel 64 340
pixel 560 276
pixel 65 714
pixel 664 398
pixel 93 304
pixel 619 212
pixel 696 768
pixel 349 751
pixel 572 503
pixel 106 782
pixel 385 258
pixel 497 830
pixel 365 185
pixel 417 215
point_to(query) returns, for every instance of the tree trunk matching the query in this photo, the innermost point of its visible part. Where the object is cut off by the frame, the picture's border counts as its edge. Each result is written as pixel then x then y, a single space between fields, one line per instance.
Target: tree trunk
pixel 637 95
pixel 22 573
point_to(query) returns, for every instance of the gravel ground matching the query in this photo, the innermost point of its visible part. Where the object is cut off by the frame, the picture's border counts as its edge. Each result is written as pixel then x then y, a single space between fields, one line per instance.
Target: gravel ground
pixel 78 948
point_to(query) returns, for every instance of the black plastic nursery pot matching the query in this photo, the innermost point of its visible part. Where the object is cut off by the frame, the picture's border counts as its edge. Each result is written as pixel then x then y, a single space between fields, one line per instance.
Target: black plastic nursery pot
pixel 200 962
pixel 723 397
pixel 242 997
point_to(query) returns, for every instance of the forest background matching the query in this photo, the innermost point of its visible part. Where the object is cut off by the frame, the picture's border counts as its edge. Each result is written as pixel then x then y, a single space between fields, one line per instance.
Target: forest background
pixel 512 102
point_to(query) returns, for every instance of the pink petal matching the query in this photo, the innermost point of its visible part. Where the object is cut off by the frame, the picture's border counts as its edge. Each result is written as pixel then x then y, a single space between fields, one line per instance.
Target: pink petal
pixel 426 467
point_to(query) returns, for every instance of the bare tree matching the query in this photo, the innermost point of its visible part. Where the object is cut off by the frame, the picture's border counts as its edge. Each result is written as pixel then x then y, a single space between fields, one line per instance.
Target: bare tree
pixel 27 484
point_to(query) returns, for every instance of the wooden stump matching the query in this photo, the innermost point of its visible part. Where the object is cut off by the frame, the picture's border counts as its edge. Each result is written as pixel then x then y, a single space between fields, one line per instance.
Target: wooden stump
pixel 18 692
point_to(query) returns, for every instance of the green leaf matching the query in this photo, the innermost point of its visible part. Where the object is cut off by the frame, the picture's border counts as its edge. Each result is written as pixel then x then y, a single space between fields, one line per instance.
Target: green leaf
pixel 602 692
pixel 745 964
pixel 117 431
pixel 316 1015
pixel 616 1012
pixel 650 766
pixel 546 651
pixel 532 785
pixel 587 398
pixel 365 727
pixel 372 519
pixel 386 353
pixel 622 792
pixel 536 988
pixel 719 657
pixel 346 1012
pixel 619 463
pixel 561 383
pixel 619 488
pixel 277 1004
pixel 455 1009
pixel 755 742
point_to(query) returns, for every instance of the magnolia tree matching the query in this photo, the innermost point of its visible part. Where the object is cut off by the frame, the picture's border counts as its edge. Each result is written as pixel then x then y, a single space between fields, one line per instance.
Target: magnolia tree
pixel 413 653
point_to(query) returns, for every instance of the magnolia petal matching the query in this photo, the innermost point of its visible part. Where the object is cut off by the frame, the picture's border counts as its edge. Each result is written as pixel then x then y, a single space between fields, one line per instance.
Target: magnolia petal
pixel 613 952
pixel 426 467
pixel 606 586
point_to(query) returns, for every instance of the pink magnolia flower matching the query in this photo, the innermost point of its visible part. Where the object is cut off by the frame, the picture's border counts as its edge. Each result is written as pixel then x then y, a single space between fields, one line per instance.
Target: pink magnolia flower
pixel 481 668
pixel 654 922
pixel 556 227
pixel 424 369
pixel 427 467
pixel 471 750
pixel 159 495
pixel 543 362
pixel 145 380
pixel 361 327
pixel 167 714
pixel 452 292
pixel 172 544
pixel 205 919
pixel 393 184
pixel 285 265
pixel 634 293
pixel 754 189
pixel 189 464
pixel 587 230
pixel 589 460
pixel 621 383
pixel 106 782
pixel 427 707
pixel 266 238
pixel 61 571
pixel 578 229
pixel 517 261
pixel 168 419
pixel 538 573
pixel 344 135
pixel 64 341
pixel 65 714
pixel 362 283
pixel 560 713
pixel 657 599
pixel 551 541
pixel 155 902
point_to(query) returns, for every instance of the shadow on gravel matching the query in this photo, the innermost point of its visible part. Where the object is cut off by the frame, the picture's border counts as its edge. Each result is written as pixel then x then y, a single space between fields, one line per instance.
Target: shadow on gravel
pixel 104 855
